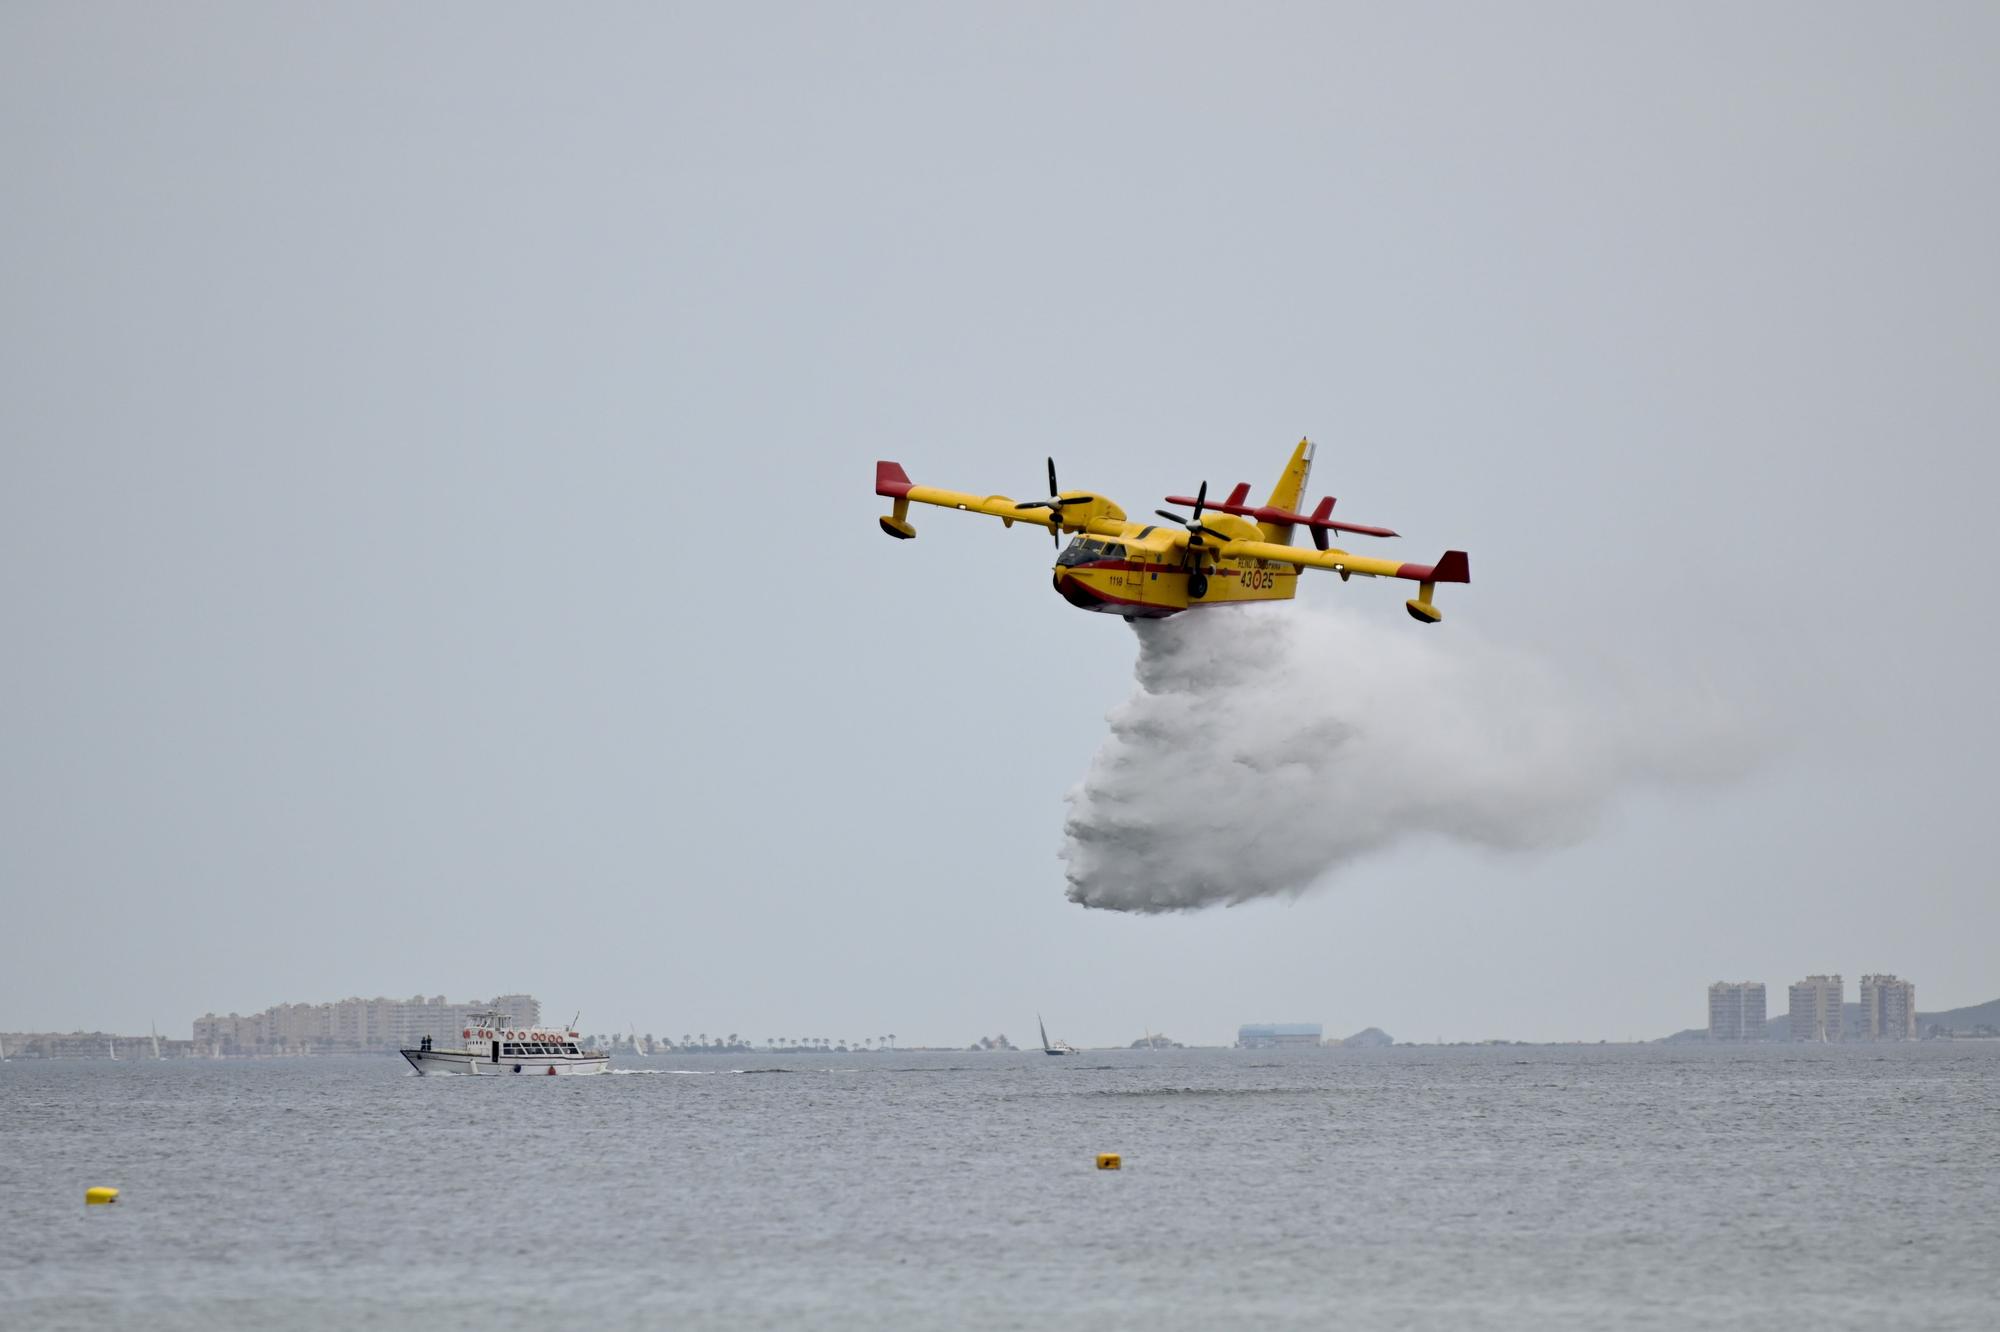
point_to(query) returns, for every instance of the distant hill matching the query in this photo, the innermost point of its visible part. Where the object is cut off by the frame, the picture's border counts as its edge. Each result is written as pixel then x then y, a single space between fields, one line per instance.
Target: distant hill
pixel 1779 1028
pixel 1963 1019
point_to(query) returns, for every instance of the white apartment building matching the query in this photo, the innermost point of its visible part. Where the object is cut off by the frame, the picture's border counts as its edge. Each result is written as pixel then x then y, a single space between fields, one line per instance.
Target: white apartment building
pixel 1817 1008
pixel 1736 1011
pixel 1888 1008
pixel 354 1024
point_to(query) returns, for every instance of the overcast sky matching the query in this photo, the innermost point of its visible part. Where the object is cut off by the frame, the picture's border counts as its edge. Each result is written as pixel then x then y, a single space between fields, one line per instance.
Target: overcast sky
pixel 437 549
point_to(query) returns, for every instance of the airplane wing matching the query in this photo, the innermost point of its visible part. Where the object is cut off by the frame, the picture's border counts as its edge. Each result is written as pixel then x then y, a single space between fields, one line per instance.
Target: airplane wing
pixel 1451 568
pixel 891 480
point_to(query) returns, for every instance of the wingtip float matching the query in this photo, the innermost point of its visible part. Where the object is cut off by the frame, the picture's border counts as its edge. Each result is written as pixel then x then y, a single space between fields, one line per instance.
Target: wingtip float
pixel 1225 552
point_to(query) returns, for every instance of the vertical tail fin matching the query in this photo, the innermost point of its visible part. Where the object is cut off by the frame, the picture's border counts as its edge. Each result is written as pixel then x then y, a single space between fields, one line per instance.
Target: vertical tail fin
pixel 1289 492
pixel 1291 487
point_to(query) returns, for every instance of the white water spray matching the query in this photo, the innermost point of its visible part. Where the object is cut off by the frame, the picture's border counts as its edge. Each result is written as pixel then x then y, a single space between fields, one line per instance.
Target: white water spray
pixel 1266 748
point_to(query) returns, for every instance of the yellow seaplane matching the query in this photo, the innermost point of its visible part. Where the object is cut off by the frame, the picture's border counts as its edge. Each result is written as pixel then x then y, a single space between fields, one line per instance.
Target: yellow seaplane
pixel 1226 553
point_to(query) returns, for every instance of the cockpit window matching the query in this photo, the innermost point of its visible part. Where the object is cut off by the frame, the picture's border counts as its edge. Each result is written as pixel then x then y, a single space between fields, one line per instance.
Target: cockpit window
pixel 1088 550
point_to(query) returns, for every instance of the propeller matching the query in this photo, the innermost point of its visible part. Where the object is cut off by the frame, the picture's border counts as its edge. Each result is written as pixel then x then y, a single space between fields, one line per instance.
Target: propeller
pixel 1055 502
pixel 1196 529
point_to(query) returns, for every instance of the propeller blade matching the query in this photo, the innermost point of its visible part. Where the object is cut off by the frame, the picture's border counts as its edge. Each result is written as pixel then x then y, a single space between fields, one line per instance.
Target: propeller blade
pixel 1200 498
pixel 1061 500
pixel 1172 517
pixel 1209 531
pixel 1035 504
pixel 1054 489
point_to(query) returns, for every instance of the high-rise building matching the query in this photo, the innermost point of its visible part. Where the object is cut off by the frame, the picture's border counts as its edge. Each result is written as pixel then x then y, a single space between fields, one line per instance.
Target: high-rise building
pixel 1817 1008
pixel 525 1009
pixel 1736 1011
pixel 1271 1035
pixel 353 1024
pixel 1888 1008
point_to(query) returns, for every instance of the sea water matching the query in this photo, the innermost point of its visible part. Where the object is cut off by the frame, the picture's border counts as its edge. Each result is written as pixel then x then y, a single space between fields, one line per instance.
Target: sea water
pixel 1667 1186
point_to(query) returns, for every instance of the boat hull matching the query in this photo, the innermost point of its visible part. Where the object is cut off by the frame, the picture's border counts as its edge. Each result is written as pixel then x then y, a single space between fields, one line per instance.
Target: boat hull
pixel 462 1063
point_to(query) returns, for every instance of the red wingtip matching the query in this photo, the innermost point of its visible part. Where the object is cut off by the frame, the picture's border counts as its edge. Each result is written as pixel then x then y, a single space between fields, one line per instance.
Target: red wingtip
pixel 1452 568
pixel 891 480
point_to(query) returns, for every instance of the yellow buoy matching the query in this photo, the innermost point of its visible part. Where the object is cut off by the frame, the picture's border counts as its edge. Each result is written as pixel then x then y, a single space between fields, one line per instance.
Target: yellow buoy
pixel 1110 1161
pixel 92 1197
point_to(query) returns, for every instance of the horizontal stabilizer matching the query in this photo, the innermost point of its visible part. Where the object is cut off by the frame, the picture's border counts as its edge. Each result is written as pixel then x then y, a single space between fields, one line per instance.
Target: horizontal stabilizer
pixel 1317 521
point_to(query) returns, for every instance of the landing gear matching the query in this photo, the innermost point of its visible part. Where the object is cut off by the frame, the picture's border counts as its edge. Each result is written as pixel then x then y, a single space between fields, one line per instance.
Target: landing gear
pixel 1197 586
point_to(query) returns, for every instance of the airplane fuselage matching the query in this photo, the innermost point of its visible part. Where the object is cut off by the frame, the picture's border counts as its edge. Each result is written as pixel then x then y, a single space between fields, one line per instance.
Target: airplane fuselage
pixel 1123 578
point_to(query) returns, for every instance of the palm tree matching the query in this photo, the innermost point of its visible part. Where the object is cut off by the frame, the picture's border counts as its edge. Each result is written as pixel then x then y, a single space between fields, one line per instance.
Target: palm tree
pixel 686 1039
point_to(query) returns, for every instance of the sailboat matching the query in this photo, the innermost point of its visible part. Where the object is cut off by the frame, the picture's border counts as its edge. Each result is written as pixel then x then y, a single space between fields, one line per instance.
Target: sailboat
pixel 156 1041
pixel 111 1047
pixel 1060 1047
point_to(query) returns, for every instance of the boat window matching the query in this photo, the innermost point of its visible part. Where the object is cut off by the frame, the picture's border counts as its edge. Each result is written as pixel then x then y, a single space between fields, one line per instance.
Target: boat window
pixel 569 1049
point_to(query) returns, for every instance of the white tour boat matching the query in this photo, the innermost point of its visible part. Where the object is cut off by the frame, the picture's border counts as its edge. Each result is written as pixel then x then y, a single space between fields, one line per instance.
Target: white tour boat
pixel 1054 1047
pixel 494 1045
